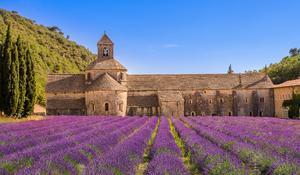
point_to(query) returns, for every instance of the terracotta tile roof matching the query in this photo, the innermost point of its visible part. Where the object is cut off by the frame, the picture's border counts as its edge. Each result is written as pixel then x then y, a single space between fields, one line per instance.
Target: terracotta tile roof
pixel 198 81
pixel 105 82
pixel 109 64
pixel 288 83
pixel 60 83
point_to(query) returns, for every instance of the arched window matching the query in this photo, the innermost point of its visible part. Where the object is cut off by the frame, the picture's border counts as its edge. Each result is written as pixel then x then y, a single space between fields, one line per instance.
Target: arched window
pixel 193 113
pixel 93 107
pixel 106 107
pixel 105 51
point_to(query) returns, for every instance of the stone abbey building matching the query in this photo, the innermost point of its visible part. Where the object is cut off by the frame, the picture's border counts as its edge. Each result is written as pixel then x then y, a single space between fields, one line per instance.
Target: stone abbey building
pixel 105 88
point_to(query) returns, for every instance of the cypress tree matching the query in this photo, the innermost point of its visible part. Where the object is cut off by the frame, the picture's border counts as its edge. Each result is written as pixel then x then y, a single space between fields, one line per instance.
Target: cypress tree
pixel 6 74
pixel 22 76
pixel 230 71
pixel 14 91
pixel 30 86
pixel 1 79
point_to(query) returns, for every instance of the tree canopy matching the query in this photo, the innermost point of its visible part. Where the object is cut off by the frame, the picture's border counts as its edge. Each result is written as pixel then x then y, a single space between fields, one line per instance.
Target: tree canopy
pixel 17 83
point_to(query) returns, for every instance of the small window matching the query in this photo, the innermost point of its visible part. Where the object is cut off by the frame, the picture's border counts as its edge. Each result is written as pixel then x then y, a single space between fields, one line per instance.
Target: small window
pixel 193 113
pixel 246 100
pixel 229 113
pixel 262 100
pixel 250 114
pixel 261 113
pixel 221 100
pixel 191 101
pixel 106 106
pixel 210 101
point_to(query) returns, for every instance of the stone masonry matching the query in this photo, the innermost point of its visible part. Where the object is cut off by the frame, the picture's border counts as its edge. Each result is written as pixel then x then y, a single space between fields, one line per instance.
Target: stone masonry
pixel 105 88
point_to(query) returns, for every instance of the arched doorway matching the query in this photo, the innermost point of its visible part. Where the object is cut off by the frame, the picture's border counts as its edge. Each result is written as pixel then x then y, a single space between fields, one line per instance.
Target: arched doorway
pixel 106 107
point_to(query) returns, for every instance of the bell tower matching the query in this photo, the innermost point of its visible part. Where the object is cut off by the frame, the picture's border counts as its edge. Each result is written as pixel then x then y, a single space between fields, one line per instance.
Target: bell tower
pixel 105 48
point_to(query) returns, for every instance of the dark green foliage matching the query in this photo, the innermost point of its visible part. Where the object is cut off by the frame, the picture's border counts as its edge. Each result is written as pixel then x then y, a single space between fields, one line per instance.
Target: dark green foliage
pixel 14 81
pixel 30 85
pixel 293 105
pixel 294 52
pixel 287 69
pixel 18 84
pixel 22 76
pixel 1 79
pixel 49 48
pixel 7 62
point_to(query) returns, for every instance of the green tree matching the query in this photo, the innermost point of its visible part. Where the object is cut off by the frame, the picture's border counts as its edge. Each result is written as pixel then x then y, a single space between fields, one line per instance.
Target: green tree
pixel 22 76
pixel 30 86
pixel 230 71
pixel 294 52
pixel 1 79
pixel 293 105
pixel 6 73
pixel 14 82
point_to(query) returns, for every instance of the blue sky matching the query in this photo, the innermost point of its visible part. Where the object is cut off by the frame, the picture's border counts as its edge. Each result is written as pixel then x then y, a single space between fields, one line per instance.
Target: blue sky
pixel 176 36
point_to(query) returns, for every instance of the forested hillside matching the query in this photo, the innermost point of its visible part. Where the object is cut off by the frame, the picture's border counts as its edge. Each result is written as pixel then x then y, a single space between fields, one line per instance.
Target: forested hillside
pixel 287 69
pixel 53 51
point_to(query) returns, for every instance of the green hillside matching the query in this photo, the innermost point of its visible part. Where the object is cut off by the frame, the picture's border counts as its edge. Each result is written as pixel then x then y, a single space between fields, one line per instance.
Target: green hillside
pixel 287 69
pixel 53 52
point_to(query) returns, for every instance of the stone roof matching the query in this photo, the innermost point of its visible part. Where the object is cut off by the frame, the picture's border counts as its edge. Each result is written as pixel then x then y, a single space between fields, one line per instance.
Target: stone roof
pixel 198 81
pixel 105 40
pixel 288 83
pixel 109 64
pixel 65 103
pixel 105 82
pixel 60 83
pixel 169 96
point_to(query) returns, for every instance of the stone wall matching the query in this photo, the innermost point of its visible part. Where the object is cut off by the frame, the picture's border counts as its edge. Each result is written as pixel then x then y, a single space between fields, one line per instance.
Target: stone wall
pixel 208 102
pixel 253 102
pixel 65 104
pixel 106 103
pixel 282 94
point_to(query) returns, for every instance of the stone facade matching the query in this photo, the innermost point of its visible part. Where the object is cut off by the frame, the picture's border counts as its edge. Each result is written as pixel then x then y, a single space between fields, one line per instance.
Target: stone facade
pixel 105 88
pixel 284 92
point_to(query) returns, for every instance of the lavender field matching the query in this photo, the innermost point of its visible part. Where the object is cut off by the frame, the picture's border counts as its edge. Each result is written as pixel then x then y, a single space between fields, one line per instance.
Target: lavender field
pixel 151 146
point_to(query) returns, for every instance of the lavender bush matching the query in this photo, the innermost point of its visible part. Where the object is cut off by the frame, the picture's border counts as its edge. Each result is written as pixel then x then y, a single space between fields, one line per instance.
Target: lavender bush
pixel 117 145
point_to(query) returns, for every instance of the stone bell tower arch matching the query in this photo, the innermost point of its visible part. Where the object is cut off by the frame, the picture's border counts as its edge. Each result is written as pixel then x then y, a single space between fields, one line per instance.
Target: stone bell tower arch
pixel 105 48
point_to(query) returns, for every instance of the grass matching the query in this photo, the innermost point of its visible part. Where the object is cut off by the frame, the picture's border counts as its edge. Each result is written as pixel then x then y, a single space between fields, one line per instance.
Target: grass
pixel 185 153
pixel 141 168
pixel 16 120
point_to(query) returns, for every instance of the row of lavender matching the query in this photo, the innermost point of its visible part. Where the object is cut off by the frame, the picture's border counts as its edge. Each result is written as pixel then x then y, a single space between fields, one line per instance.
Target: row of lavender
pixel 117 145
pixel 243 145
pixel 63 144
pixel 89 145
